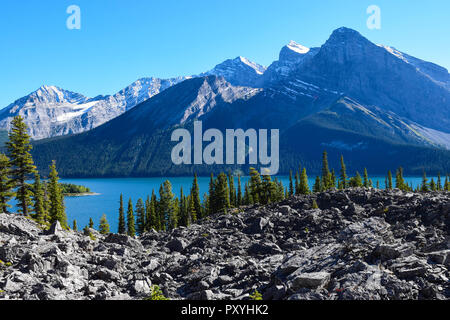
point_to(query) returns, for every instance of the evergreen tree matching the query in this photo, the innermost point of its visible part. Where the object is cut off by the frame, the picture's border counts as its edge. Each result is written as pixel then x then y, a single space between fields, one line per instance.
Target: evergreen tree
pixel 222 199
pixel 74 227
pixel 232 190
pixel 57 210
pixel 167 206
pixel 6 185
pixel 433 186
pixel 131 229
pixel 326 175
pixel 366 179
pixel 140 216
pixel 447 183
pixel 291 185
pixel 439 182
pixel 333 179
pixel 378 184
pixel 22 165
pixel 255 185
pixel 356 181
pixel 317 185
pixel 239 192
pixel 183 210
pixel 38 201
pixel 425 186
pixel 304 187
pixel 104 225
pixel 122 223
pixel 192 214
pixel 343 174
pixel 297 183
pixel 91 223
pixel 154 221
pixel 389 184
pixel 195 194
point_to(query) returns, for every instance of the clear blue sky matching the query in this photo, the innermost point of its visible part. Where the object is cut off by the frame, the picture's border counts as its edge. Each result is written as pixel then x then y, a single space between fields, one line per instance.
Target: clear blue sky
pixel 121 41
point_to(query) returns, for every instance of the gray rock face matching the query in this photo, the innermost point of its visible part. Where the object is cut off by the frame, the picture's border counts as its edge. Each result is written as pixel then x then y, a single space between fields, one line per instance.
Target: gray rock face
pixel 391 245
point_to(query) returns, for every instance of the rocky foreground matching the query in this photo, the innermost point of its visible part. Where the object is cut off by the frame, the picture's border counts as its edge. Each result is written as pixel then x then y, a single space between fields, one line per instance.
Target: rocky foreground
pixel 360 244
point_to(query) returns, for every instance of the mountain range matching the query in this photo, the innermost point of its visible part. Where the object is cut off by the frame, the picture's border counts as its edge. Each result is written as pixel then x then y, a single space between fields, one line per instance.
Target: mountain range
pixel 379 107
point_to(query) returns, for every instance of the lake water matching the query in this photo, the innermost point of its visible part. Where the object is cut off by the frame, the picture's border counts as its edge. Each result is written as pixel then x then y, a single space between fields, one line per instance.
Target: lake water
pixel 82 208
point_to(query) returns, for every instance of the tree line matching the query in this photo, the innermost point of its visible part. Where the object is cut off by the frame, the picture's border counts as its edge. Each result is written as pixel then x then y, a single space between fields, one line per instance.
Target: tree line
pixel 167 212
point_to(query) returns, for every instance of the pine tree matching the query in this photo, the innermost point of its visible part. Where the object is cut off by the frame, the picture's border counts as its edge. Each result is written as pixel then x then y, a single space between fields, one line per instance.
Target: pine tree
pixel 38 201
pixel 389 185
pixel 232 190
pixel 167 206
pixel 154 221
pixel 317 185
pixel 91 223
pixel 104 225
pixel 22 165
pixel 192 214
pixel 378 184
pixel 304 187
pixel 425 186
pixel 366 179
pixel 195 193
pixel 183 210
pixel 74 227
pixel 222 199
pixel 239 192
pixel 343 174
pixel 326 175
pixel 122 224
pixel 433 186
pixel 356 181
pixel 447 183
pixel 57 210
pixel 6 185
pixel 131 229
pixel 255 185
pixel 291 185
pixel 140 216
pixel 333 179
pixel 297 183
pixel 439 182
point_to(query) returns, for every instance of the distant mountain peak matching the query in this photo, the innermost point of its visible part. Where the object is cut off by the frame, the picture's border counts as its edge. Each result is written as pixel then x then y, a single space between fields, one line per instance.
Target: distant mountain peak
pixel 296 47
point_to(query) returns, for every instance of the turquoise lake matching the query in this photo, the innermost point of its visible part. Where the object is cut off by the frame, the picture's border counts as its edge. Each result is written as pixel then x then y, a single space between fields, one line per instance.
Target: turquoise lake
pixel 109 190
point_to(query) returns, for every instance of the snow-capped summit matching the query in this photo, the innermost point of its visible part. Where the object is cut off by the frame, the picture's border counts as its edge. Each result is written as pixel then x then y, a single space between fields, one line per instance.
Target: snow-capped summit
pixel 294 46
pixel 239 71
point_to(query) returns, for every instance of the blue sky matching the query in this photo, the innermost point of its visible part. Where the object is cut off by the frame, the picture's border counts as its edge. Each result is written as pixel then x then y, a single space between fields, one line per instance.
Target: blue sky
pixel 121 41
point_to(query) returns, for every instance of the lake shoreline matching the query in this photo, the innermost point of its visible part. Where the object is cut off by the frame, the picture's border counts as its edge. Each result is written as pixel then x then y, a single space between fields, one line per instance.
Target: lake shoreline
pixel 86 194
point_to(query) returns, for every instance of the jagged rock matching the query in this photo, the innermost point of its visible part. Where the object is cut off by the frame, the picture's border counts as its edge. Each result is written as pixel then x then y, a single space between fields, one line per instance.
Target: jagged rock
pixel 56 229
pixel 177 245
pixel 310 280
pixel 289 253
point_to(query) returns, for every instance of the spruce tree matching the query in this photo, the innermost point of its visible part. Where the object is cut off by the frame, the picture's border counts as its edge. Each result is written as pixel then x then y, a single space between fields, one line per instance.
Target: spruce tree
pixel 183 210
pixel 122 223
pixel 389 180
pixel 212 196
pixel 195 193
pixel 291 185
pixel 22 165
pixel 343 174
pixel 239 192
pixel 317 185
pixel 103 227
pixel 6 184
pixel 74 227
pixel 433 186
pixel 439 182
pixel 91 223
pixel 131 229
pixel 57 210
pixel 167 206
pixel 297 183
pixel 425 186
pixel 140 216
pixel 222 199
pixel 326 175
pixel 40 214
pixel 304 187
pixel 366 179
pixel 232 190
pixel 255 185
pixel 154 221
